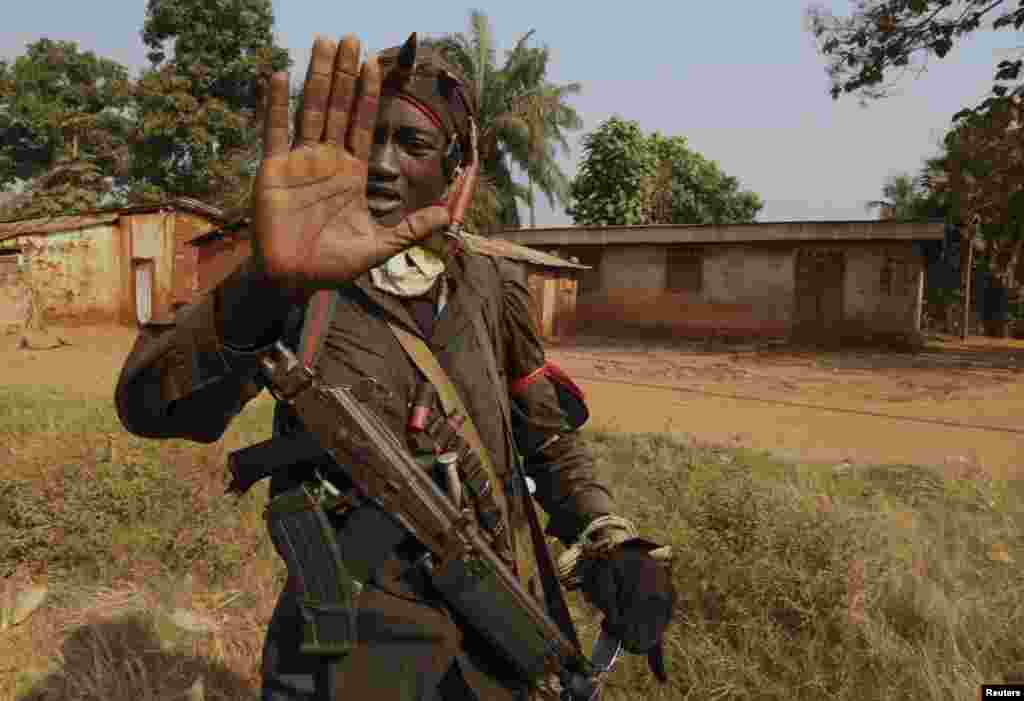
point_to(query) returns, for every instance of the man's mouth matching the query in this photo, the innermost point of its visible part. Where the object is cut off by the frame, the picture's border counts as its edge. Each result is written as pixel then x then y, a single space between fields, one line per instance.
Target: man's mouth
pixel 382 200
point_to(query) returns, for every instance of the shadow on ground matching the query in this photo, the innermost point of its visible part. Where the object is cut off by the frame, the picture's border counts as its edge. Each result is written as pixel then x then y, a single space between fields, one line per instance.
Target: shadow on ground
pixel 122 660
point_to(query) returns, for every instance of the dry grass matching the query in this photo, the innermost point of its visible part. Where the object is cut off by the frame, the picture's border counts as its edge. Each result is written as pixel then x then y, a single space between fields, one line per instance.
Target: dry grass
pixel 863 583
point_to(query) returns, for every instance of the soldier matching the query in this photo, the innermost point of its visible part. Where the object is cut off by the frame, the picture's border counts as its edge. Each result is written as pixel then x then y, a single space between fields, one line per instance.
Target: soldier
pixel 352 205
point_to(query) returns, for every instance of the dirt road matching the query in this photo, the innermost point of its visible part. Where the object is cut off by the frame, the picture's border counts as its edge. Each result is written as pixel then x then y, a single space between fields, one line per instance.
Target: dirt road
pixel 954 404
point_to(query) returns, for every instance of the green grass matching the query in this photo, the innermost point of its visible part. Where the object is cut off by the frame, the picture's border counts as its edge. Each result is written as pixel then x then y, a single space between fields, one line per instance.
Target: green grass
pixel 764 552
pixel 764 572
pixel 112 503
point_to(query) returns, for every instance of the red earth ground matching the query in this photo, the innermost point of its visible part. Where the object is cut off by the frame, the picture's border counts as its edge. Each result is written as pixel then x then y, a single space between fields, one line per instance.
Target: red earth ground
pixel 957 405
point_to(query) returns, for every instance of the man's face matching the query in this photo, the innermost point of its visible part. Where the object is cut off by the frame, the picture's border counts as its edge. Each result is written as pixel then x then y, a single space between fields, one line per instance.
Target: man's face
pixel 405 171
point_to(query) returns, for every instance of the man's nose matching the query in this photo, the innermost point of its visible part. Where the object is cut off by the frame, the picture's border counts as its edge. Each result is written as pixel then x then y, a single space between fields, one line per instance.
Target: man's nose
pixel 383 163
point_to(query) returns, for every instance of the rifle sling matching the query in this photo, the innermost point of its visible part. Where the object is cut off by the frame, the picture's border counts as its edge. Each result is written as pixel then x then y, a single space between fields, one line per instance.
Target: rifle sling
pixel 553 594
pixel 427 362
pixel 318 318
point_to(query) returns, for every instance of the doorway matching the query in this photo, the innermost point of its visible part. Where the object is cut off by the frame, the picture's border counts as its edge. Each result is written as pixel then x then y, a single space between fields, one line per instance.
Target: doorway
pixel 818 294
pixel 143 273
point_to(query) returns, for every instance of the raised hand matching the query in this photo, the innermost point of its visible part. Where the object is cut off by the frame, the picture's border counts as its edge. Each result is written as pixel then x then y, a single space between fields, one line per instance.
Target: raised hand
pixel 312 227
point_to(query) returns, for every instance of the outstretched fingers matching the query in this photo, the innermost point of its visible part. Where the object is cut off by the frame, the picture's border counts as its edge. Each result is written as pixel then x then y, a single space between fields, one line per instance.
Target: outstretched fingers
pixel 316 92
pixel 364 121
pixel 276 119
pixel 343 89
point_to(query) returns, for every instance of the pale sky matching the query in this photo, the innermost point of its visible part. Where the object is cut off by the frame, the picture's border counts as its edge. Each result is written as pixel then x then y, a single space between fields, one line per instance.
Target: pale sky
pixel 740 80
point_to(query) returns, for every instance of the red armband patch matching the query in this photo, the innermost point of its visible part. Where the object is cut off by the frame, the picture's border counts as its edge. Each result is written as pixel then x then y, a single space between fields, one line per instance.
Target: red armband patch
pixel 570 396
pixel 520 385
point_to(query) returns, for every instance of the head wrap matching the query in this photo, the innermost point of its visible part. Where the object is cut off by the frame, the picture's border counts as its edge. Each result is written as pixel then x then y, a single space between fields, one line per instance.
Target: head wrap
pixel 423 78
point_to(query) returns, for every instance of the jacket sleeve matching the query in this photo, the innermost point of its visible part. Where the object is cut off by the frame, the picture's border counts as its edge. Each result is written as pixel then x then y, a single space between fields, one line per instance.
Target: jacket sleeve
pixel 567 486
pixel 179 381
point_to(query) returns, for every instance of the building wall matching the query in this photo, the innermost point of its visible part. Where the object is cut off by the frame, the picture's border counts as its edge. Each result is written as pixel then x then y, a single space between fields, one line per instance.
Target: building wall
pixel 216 259
pixel 757 277
pixel 89 275
pixel 76 274
pixel 883 289
pixel 186 256
pixel 152 243
pixel 632 267
pixel 750 290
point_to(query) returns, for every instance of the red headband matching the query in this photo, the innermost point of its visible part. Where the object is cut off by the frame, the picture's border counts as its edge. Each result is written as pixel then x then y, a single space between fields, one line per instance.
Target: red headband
pixel 423 107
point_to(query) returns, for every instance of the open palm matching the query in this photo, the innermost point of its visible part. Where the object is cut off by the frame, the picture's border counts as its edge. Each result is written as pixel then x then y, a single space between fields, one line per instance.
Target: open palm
pixel 313 229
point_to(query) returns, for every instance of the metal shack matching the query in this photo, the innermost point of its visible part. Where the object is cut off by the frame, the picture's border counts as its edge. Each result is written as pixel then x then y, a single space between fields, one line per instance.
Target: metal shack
pixel 129 265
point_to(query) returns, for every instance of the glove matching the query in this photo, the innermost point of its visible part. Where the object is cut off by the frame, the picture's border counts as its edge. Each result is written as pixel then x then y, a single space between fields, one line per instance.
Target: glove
pixel 635 592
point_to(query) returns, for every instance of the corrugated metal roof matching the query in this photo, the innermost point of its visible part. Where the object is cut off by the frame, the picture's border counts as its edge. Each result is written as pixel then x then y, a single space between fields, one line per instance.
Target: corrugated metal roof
pixel 480 244
pixel 50 225
pixel 47 225
pixel 237 230
pixel 508 249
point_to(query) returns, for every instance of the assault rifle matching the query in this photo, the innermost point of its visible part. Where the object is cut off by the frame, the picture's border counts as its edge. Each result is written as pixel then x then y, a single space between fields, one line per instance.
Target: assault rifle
pixel 461 565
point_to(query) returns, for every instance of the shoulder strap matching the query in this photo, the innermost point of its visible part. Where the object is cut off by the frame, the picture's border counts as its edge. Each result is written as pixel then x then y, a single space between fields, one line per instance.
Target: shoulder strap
pixel 315 322
pixel 553 594
pixel 317 319
pixel 426 361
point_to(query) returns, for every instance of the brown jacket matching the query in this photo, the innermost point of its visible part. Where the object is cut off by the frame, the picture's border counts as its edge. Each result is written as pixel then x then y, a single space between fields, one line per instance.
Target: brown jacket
pixel 177 384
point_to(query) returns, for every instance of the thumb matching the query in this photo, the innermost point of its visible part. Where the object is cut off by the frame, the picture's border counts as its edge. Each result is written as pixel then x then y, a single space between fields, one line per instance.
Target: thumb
pixel 421 224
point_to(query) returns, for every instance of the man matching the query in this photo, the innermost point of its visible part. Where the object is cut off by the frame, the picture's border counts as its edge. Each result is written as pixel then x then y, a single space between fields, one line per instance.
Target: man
pixel 344 208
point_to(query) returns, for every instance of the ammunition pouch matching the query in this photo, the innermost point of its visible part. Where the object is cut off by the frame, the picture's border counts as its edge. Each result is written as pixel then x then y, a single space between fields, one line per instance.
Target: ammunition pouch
pixel 305 539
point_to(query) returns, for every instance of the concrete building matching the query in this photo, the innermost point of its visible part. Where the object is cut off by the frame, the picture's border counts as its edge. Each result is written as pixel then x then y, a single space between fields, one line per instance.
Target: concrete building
pixel 840 281
pixel 127 265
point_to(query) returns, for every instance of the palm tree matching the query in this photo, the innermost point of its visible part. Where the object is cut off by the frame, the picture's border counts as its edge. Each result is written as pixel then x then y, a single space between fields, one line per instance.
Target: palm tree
pixel 900 198
pixel 523 119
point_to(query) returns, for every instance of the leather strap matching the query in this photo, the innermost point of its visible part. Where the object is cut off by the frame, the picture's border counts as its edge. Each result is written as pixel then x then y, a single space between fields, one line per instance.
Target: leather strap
pixel 553 595
pixel 426 361
pixel 317 319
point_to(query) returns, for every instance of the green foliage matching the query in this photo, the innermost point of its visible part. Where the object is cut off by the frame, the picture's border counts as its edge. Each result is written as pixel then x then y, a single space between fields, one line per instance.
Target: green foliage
pixel 689 189
pixel 627 177
pixel 84 135
pixel 904 197
pixel 63 125
pixel 881 37
pixel 524 120
pixel 979 178
pixel 197 107
pixel 609 186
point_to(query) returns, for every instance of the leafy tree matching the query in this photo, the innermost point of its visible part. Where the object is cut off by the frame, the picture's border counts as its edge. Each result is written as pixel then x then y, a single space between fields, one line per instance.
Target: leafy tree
pixel 693 190
pixel 981 175
pixel 523 121
pixel 63 126
pixel 617 164
pixel 197 104
pixel 627 177
pixel 883 36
